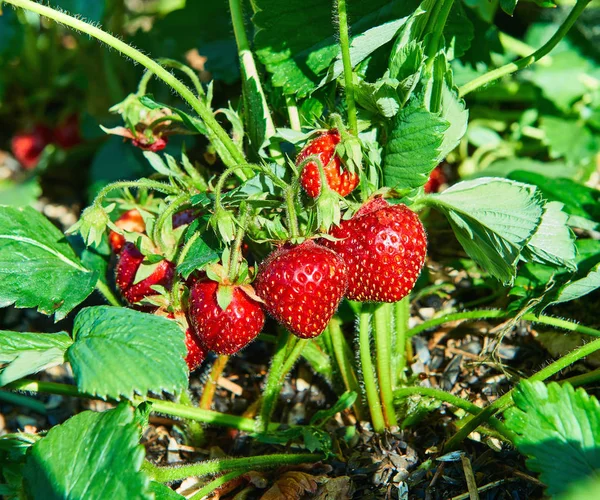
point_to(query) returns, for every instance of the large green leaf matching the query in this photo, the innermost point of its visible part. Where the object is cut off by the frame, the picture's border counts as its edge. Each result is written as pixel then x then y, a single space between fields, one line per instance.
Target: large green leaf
pixel 413 148
pixel 493 220
pixel 38 268
pixel 19 194
pixel 28 353
pixel 580 287
pixel 118 352
pixel 558 429
pixel 569 139
pixel 92 456
pixel 456 115
pixel 296 39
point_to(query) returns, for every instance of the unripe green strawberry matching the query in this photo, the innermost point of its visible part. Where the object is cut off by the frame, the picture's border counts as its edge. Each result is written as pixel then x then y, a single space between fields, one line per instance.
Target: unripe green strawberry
pixel 302 287
pixel 384 249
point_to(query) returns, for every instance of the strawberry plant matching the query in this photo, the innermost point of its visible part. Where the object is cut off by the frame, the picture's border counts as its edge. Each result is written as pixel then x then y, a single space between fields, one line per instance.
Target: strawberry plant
pixel 303 225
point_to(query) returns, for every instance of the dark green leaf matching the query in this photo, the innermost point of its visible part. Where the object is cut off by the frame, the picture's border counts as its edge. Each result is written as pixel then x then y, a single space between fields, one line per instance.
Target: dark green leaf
pixel 92 456
pixel 255 119
pixel 508 6
pixel 90 11
pixel 29 353
pixel 11 40
pixel 493 220
pixel 413 149
pixel 118 352
pixel 558 429
pixel 204 250
pixel 345 401
pixel 458 32
pixel 38 268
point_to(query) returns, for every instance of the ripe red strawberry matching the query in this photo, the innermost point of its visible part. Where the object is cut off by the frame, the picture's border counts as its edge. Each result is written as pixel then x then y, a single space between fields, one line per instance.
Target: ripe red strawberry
pixel 384 249
pixel 436 179
pixel 66 134
pixel 302 286
pixel 343 182
pixel 196 354
pixel 130 221
pixel 130 260
pixel 27 146
pixel 224 331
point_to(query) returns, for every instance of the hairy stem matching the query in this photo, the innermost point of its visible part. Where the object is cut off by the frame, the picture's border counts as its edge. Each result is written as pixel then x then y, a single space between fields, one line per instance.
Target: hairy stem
pixel 383 345
pixel 211 384
pixel 401 317
pixel 293 357
pixel 509 68
pixel 471 423
pixel 368 376
pixel 343 356
pixel 348 79
pixel 208 488
pixel 105 290
pixel 499 314
pixel 210 467
pixel 197 105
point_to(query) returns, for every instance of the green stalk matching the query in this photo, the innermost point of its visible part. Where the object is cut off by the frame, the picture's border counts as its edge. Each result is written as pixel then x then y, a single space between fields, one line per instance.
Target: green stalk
pixel 499 314
pixel 509 68
pixel 293 113
pixel 194 428
pixel 25 401
pixel 159 406
pixel 247 61
pixel 348 78
pixel 401 317
pixel 292 358
pixel 197 105
pixel 292 217
pixel 346 365
pixel 435 27
pixel 168 213
pixel 210 467
pixel 235 258
pixel 208 488
pixel 461 403
pixel 105 290
pixel 383 345
pixel 211 384
pixel 273 385
pixel 370 384
pixel 502 403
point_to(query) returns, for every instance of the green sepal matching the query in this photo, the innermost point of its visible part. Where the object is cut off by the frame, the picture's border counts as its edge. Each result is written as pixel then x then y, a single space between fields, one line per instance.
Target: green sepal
pixel 224 296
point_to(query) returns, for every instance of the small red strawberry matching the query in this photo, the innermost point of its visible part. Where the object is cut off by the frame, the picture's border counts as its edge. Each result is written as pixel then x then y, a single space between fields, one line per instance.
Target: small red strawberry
pixel 224 331
pixel 302 286
pixel 435 181
pixel 384 249
pixel 130 260
pixel 130 221
pixel 27 146
pixel 196 354
pixel 66 134
pixel 342 182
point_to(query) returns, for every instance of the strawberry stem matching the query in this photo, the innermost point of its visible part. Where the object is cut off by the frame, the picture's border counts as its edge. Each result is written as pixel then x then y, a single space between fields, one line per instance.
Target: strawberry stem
pixel 292 217
pixel 208 488
pixel 369 381
pixel 401 317
pixel 236 253
pixel 383 346
pixel 165 216
pixel 293 114
pixel 105 290
pixel 195 432
pixel 210 467
pixel 509 68
pixel 348 77
pixel 211 384
pixel 292 358
pixel 435 27
pixel 344 357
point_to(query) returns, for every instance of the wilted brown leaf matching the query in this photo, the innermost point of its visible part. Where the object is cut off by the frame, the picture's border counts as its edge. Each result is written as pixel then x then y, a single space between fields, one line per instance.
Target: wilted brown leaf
pixel 291 485
pixel 335 488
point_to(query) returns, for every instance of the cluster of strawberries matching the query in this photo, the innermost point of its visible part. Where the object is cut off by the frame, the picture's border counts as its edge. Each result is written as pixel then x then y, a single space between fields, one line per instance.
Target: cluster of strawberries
pixel 375 256
pixel 28 145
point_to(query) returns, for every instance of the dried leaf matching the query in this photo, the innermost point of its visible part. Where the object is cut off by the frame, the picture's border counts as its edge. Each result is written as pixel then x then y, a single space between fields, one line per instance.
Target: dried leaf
pixel 291 486
pixel 335 488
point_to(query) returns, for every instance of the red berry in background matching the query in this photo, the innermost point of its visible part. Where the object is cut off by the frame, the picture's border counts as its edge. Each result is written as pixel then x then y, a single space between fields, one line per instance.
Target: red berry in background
pixel 435 181
pixel 302 287
pixel 224 331
pixel 130 221
pixel 196 354
pixel 342 182
pixel 27 146
pixel 67 134
pixel 384 249
pixel 129 262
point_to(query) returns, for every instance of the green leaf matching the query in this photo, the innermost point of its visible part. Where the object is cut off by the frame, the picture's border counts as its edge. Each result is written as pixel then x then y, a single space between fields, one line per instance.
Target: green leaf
pixel 454 113
pixel 38 268
pixel 29 353
pixel 583 490
pixel 505 168
pixel 345 401
pixel 413 149
pixel 163 492
pixel 19 194
pixel 296 39
pixel 204 250
pixel 380 97
pixel 508 6
pixel 558 430
pixel 569 139
pixel 92 456
pixel 553 242
pixel 255 119
pixel 192 122
pixel 118 352
pixel 458 32
pixel 493 220
pixel 11 40
pixel 580 287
